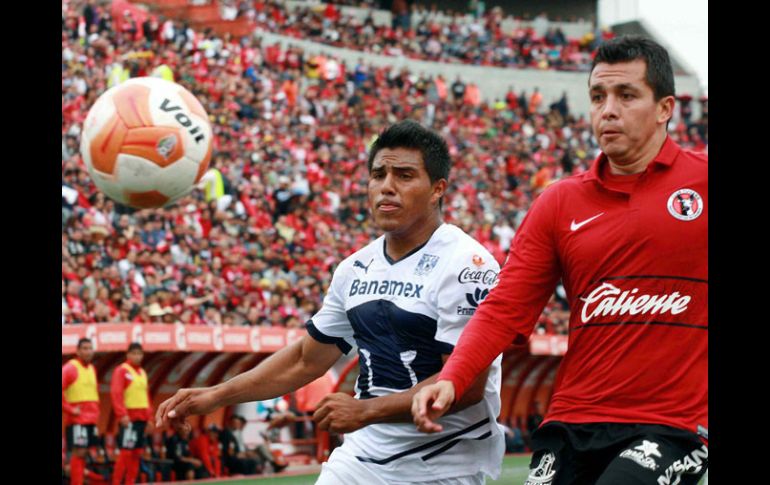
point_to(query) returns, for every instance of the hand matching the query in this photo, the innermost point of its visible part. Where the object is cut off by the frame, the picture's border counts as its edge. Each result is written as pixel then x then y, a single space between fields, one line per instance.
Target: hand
pixel 125 422
pixel 430 403
pixel 280 420
pixel 340 413
pixel 185 402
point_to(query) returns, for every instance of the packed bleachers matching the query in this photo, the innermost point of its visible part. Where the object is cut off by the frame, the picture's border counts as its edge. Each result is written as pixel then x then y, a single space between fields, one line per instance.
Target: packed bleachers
pixel 292 132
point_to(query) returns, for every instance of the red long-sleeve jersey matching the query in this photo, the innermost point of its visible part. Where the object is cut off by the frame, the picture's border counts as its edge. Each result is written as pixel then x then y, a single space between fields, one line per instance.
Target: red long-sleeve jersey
pixel 632 253
pixel 118 386
pixel 89 410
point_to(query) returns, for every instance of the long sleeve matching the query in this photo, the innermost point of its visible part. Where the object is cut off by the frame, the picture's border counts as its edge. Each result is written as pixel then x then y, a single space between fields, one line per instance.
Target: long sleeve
pixel 525 284
pixel 117 388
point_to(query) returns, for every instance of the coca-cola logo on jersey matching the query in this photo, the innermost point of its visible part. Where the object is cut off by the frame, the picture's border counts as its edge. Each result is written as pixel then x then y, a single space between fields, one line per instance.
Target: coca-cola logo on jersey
pixel 468 275
pixel 647 299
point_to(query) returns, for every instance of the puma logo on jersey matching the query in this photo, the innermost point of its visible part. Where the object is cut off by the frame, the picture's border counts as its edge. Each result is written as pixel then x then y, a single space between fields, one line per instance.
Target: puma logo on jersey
pixel 577 225
pixel 359 264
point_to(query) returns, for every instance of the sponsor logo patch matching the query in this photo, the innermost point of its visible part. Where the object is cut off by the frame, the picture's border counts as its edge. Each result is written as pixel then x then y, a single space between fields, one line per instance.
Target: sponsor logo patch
pixel 643 454
pixel 609 300
pixel 473 300
pixel 544 473
pixel 385 287
pixel 692 464
pixel 476 276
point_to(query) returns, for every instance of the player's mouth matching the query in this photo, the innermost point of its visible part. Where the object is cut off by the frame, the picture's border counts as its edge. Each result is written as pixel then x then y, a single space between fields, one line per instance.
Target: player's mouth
pixel 610 132
pixel 388 206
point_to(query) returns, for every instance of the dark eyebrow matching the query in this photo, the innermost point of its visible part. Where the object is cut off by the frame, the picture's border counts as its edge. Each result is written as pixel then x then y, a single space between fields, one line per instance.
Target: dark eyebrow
pixel 627 86
pixel 621 86
pixel 407 168
pixel 402 168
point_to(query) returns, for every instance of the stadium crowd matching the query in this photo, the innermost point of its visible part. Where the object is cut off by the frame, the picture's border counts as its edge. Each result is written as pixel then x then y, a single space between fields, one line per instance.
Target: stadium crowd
pixel 419 34
pixel 285 198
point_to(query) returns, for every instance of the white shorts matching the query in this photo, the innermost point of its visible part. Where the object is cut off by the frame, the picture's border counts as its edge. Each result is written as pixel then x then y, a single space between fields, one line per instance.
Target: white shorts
pixel 344 469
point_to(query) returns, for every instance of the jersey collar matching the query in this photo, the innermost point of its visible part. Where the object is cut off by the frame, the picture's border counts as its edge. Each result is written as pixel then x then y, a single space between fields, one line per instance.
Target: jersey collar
pixel 392 261
pixel 665 157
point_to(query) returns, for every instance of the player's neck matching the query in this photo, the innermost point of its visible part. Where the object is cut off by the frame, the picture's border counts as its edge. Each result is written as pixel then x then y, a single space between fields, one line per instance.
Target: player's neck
pixel 399 244
pixel 639 161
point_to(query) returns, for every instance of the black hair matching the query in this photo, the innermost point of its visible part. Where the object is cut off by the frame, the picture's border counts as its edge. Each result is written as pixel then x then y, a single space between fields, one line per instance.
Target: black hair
pixel 411 134
pixel 135 346
pixel 659 73
pixel 84 340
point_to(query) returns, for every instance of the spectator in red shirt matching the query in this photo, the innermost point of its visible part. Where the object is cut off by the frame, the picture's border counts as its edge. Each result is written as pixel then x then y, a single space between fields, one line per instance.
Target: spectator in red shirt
pixel 207 449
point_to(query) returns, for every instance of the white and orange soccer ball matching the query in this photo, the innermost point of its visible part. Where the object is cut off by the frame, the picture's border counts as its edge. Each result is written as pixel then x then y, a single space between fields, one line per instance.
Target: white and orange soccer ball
pixel 146 142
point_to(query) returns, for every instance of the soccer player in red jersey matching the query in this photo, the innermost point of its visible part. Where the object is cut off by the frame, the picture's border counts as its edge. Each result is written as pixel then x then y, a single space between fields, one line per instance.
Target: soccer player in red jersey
pixel 629 240
pixel 131 404
pixel 80 404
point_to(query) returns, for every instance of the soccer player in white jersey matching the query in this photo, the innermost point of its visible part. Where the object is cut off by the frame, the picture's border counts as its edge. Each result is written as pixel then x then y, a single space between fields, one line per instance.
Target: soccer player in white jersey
pixel 402 302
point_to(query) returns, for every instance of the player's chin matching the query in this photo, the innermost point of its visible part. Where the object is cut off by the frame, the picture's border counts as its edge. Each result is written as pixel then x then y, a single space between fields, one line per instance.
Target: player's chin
pixel 387 222
pixel 613 149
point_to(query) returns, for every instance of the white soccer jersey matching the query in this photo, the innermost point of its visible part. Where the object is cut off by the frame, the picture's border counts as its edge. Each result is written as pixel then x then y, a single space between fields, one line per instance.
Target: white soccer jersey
pixel 402 316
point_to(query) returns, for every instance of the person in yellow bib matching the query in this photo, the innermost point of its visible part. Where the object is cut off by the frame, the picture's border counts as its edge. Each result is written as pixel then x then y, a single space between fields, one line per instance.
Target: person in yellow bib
pixel 80 405
pixel 130 394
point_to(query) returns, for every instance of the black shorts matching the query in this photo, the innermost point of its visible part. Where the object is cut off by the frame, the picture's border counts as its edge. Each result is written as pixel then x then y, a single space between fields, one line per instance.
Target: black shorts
pixel 81 436
pixel 181 468
pixel 615 454
pixel 132 437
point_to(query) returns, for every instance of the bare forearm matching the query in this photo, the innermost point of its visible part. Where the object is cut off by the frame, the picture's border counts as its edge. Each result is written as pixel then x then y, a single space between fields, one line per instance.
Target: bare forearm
pixel 287 370
pixel 279 374
pixel 396 408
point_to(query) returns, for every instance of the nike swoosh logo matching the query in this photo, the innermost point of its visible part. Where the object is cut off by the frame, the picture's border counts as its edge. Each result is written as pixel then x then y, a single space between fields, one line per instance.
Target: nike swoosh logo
pixel 575 226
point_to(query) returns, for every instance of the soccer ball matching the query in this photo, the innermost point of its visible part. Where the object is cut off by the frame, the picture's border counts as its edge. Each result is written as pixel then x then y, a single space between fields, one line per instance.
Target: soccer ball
pixel 146 142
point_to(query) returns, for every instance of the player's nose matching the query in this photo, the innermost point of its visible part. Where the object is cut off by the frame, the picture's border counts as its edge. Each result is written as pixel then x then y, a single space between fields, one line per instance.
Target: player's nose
pixel 388 185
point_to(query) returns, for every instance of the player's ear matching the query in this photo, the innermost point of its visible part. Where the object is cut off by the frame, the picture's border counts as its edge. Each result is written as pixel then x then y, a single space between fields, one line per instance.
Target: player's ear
pixel 666 109
pixel 439 188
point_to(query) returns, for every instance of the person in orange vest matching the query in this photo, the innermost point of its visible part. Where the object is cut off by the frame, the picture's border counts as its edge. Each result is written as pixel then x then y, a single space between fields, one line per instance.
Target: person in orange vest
pixel 80 404
pixel 535 101
pixel 472 96
pixel 131 403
